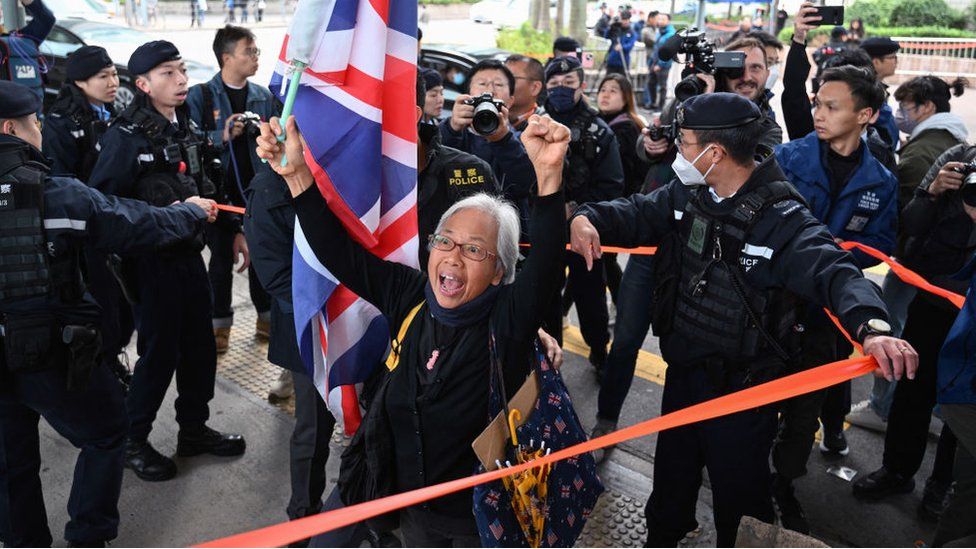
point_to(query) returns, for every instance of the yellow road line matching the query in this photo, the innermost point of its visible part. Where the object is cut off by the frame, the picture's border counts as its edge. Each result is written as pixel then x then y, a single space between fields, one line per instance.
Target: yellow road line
pixel 649 365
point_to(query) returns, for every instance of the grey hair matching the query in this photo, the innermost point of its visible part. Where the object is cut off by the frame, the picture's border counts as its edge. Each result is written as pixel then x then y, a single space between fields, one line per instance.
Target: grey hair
pixel 507 219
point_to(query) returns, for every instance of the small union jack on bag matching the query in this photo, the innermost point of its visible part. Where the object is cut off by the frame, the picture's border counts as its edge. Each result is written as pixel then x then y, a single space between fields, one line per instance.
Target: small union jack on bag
pixel 566 496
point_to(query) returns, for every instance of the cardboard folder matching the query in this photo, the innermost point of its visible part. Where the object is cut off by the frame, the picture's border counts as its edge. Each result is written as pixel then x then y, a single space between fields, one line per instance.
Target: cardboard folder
pixel 492 442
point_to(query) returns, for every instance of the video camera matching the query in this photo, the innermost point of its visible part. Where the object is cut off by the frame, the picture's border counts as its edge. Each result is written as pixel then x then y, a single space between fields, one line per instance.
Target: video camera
pixel 487 111
pixel 700 58
pixel 968 189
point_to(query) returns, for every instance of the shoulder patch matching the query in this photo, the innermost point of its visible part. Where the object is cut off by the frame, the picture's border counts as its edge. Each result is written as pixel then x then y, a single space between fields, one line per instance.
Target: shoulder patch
pixel 787 207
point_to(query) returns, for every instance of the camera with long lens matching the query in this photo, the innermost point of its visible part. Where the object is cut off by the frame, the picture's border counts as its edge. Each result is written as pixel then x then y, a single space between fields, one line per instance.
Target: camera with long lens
pixel 968 189
pixel 487 112
pixel 700 58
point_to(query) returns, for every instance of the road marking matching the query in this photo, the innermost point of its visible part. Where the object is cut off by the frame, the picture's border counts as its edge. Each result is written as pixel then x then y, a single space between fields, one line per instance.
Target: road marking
pixel 649 365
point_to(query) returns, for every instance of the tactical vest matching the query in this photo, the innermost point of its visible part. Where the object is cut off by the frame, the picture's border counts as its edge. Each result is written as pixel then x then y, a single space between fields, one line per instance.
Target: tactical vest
pixel 180 154
pixel 584 148
pixel 713 305
pixel 24 269
pixel 20 62
pixel 88 130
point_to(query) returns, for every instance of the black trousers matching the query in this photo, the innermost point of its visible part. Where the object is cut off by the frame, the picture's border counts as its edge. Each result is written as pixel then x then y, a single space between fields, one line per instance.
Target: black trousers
pixel 220 271
pixel 798 422
pixel 926 328
pixel 589 291
pixel 116 324
pixel 309 448
pixel 93 419
pixel 734 449
pixel 419 530
pixel 175 336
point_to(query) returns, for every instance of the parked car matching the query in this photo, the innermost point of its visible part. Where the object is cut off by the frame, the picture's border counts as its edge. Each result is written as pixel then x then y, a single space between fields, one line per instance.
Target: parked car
pixel 93 10
pixel 71 33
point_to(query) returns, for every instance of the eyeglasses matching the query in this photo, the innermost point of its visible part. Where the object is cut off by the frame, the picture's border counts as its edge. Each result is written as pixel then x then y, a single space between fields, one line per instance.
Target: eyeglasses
pixel 907 107
pixel 489 84
pixel 252 52
pixel 473 252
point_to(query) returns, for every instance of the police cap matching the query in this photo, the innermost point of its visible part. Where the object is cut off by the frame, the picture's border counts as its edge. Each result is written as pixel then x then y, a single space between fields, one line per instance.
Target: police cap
pixel 18 100
pixel 716 111
pixel 562 65
pixel 565 43
pixel 152 54
pixel 86 61
pixel 879 46
pixel 432 78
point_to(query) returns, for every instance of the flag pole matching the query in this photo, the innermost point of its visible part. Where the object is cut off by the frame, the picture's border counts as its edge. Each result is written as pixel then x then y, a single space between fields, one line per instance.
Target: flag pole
pixel 293 84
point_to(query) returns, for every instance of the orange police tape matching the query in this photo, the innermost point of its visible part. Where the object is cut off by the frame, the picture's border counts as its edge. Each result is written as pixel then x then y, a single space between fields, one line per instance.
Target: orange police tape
pixel 232 209
pixel 774 391
pixel 754 397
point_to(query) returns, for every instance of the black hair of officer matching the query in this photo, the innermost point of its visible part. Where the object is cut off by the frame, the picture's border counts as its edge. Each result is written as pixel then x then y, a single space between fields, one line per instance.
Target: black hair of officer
pixel 725 119
pixel 492 65
pixel 865 88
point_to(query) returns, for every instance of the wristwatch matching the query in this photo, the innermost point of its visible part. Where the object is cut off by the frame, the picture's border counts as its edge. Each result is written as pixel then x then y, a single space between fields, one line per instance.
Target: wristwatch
pixel 875 326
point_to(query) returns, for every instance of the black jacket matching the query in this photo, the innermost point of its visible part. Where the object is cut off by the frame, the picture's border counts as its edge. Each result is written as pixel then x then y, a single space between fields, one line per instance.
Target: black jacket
pixel 71 134
pixel 627 133
pixel 786 248
pixel 434 415
pixel 604 178
pixel 269 226
pixel 449 176
pixel 941 237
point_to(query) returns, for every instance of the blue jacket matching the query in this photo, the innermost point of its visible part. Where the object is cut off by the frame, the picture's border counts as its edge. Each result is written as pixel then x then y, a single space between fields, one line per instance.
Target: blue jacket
pixel 22 48
pixel 887 127
pixel 866 210
pixel 260 101
pixel 627 39
pixel 662 37
pixel 957 361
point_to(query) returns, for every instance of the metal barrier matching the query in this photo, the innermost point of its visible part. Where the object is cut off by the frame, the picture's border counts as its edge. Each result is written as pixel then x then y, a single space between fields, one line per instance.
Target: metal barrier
pixel 944 57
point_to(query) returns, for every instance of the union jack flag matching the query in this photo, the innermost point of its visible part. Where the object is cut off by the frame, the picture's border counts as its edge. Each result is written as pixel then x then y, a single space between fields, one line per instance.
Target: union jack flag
pixel 554 399
pixel 356 109
pixel 492 498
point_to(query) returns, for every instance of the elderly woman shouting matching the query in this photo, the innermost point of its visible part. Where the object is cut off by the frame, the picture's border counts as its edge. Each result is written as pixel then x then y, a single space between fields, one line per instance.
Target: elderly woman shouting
pixel 428 410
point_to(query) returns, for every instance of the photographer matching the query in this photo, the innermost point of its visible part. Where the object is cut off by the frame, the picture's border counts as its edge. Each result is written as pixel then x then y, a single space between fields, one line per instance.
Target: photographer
pixel 491 90
pixel 941 239
pixel 622 39
pixel 218 108
pixel 751 84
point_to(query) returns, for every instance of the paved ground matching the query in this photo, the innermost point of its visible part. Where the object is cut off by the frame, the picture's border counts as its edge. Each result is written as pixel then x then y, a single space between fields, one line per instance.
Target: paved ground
pixel 214 497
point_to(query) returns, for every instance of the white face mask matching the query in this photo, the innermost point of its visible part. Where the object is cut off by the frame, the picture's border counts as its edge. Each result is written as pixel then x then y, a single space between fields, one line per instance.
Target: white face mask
pixel 773 76
pixel 687 172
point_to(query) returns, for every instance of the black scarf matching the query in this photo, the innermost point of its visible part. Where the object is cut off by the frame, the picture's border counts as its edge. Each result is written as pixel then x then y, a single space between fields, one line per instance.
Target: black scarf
pixel 465 315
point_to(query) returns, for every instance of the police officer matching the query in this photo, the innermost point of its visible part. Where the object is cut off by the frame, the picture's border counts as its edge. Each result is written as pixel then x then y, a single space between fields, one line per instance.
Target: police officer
pixel 49 345
pixel 884 57
pixel 737 248
pixel 19 51
pixel 444 175
pixel 153 154
pixel 74 124
pixel 80 114
pixel 593 173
